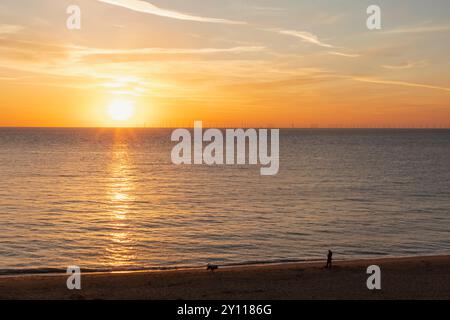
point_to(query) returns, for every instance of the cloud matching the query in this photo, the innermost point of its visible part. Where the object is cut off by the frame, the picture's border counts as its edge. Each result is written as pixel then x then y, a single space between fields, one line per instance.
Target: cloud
pixel 257 10
pixel 400 83
pixel 323 18
pixel 66 59
pixel 406 65
pixel 9 78
pixel 9 29
pixel 34 51
pixel 95 55
pixel 421 29
pixel 343 54
pixel 303 35
pixel 146 7
pixel 90 51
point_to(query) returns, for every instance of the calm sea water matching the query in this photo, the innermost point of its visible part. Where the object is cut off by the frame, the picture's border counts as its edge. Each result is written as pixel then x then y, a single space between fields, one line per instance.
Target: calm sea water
pixel 111 199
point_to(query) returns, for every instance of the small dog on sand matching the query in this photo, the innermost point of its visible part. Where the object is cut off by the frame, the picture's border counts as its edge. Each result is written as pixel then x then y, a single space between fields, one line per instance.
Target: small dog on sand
pixel 211 267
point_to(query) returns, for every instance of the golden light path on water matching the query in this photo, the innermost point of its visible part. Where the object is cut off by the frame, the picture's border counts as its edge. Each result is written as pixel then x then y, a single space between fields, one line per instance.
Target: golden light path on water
pixel 120 251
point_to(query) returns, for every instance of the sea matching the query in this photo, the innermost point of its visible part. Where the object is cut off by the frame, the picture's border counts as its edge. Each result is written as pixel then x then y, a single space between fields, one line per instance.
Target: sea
pixel 112 200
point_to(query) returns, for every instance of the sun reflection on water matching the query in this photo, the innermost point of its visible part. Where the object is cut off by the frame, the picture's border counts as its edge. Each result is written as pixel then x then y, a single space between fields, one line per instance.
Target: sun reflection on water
pixel 120 251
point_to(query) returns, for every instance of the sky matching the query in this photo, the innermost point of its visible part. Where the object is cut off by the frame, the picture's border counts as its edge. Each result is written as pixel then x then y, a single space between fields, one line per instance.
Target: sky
pixel 228 63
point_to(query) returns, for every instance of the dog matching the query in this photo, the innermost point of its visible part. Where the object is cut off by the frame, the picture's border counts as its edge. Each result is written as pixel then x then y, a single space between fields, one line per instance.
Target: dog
pixel 211 267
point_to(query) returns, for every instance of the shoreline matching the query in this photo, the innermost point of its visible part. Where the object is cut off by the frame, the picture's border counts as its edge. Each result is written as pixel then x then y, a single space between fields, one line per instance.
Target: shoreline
pixel 424 277
pixel 52 272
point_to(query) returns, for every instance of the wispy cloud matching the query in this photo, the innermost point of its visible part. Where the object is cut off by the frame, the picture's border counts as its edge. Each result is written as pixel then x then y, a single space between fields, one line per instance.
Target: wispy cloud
pixel 304 36
pixel 34 51
pixel 62 59
pixel 9 29
pixel 257 10
pixel 155 54
pixel 400 83
pixel 406 65
pixel 90 51
pixel 324 18
pixel 344 54
pixel 419 29
pixel 146 7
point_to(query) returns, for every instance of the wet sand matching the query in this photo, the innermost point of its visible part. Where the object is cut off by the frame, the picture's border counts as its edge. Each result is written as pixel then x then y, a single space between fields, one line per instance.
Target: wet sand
pixel 401 278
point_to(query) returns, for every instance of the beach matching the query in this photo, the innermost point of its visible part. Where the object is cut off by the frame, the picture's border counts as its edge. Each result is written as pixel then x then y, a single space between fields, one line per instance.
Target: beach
pixel 401 278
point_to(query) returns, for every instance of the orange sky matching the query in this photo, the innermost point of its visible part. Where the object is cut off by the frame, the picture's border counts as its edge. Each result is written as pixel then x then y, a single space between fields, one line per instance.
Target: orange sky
pixel 239 63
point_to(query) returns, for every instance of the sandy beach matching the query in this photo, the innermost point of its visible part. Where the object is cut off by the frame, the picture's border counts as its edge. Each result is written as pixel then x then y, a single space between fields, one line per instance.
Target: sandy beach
pixel 402 278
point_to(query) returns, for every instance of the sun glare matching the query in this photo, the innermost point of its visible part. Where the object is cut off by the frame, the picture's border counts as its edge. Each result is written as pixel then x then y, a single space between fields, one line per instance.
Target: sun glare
pixel 121 110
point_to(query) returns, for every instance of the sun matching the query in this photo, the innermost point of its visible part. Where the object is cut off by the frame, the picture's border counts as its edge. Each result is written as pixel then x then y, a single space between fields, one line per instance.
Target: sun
pixel 121 110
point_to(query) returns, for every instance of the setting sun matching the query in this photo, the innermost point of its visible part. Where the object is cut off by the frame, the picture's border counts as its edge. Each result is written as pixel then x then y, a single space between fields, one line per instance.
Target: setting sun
pixel 121 110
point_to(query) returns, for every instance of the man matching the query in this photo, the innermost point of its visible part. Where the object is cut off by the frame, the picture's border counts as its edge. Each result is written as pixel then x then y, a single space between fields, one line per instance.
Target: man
pixel 329 259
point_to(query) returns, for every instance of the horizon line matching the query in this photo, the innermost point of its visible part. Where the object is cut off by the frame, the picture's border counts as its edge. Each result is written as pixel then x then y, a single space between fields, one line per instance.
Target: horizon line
pixel 231 127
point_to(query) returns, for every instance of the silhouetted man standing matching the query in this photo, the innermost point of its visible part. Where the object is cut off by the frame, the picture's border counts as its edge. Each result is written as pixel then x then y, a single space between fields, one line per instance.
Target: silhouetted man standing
pixel 329 259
